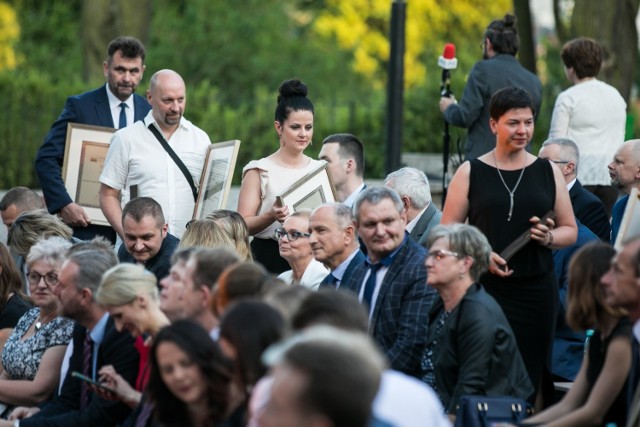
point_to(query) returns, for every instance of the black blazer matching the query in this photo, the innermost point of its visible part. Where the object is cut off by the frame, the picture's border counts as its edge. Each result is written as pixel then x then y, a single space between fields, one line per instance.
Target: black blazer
pixel 117 349
pixel 476 352
pixel 399 321
pixel 89 108
pixel 588 208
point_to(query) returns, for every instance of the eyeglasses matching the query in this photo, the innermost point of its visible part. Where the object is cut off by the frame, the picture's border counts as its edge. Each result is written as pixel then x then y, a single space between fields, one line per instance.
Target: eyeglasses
pixel 291 235
pixel 439 254
pixel 50 279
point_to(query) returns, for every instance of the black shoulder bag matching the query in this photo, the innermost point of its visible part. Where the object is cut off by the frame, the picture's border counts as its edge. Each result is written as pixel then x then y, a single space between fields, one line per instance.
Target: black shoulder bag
pixel 176 159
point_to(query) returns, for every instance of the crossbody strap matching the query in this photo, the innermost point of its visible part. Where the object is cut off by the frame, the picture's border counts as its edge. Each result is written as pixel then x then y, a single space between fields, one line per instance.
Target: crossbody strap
pixel 176 159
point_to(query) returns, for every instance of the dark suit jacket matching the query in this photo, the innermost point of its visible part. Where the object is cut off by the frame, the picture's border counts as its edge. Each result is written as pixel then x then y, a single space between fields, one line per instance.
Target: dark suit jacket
pixel 429 219
pixel 90 108
pixel 472 112
pixel 117 349
pixel 588 208
pixel 358 259
pixel 399 321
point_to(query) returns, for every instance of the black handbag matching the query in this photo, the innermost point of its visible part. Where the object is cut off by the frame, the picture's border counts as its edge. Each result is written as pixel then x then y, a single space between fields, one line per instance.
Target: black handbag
pixel 484 411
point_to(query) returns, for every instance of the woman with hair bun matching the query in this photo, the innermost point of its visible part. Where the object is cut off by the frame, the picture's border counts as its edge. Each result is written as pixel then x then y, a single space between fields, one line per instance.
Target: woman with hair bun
pixel 264 179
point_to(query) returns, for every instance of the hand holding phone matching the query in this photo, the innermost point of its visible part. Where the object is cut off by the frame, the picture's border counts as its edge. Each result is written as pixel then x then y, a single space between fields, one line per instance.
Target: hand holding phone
pixel 91 381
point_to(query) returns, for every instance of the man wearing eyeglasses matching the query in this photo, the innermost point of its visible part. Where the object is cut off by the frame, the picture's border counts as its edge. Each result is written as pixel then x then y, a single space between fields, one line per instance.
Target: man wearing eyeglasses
pixel 146 239
pixel 587 207
pixel 391 281
pixel 293 243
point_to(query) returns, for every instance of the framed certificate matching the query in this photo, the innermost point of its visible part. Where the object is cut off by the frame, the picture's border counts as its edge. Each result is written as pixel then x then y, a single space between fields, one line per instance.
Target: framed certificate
pixel 630 224
pixel 215 180
pixel 310 191
pixel 85 151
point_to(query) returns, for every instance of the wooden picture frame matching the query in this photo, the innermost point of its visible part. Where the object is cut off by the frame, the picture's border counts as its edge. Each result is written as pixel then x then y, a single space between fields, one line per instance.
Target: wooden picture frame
pixel 310 191
pixel 215 179
pixel 85 151
pixel 630 224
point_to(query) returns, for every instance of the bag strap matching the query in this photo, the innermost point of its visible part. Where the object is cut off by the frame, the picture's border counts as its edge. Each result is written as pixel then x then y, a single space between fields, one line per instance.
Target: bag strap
pixel 176 159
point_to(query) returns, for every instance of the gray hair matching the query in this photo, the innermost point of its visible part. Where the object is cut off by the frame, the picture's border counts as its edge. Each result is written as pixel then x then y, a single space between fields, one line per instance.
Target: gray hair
pixel 51 250
pixel 24 199
pixel 93 259
pixel 413 183
pixel 465 240
pixel 569 149
pixel 375 195
pixel 343 214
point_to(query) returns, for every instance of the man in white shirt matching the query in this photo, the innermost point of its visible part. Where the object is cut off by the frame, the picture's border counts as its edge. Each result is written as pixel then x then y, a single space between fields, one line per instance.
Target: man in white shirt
pixel 137 162
pixel 345 155
pixel 422 215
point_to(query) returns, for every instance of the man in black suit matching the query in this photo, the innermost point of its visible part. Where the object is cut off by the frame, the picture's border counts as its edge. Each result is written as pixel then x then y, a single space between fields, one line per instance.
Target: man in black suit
pixel 113 105
pixel 334 242
pixel 498 69
pixel 392 280
pixel 587 207
pixel 77 405
pixel 412 185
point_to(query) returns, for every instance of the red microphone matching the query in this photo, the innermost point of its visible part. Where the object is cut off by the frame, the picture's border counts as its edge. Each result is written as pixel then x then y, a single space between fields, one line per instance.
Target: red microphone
pixel 448 59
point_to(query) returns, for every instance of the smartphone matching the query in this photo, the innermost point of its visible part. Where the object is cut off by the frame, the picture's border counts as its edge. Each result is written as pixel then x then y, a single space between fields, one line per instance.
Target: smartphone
pixel 91 381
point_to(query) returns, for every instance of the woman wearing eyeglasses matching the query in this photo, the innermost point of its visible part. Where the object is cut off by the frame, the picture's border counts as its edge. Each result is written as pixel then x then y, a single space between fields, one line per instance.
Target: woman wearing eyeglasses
pixel 33 353
pixel 293 242
pixel 471 349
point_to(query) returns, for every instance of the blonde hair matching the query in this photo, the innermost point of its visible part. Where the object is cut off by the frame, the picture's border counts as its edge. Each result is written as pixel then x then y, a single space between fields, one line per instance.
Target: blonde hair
pixel 120 285
pixel 219 228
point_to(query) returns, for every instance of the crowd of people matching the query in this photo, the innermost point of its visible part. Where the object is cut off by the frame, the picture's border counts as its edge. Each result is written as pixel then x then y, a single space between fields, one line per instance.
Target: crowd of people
pixel 376 309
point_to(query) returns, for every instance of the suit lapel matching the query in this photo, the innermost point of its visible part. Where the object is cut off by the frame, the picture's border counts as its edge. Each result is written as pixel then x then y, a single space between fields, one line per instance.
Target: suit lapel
pixel 423 222
pixel 355 262
pixel 103 112
pixel 141 108
pixel 389 278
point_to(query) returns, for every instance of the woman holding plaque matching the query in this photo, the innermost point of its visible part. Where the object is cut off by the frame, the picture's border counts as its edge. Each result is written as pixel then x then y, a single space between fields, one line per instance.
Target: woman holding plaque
pixel 505 193
pixel 265 179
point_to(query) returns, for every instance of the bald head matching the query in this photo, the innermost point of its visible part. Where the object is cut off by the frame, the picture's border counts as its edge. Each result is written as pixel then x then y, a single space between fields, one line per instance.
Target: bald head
pixel 624 170
pixel 168 98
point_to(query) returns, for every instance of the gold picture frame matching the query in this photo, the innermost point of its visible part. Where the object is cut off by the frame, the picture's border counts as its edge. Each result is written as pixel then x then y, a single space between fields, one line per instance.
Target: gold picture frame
pixel 85 150
pixel 216 176
pixel 310 191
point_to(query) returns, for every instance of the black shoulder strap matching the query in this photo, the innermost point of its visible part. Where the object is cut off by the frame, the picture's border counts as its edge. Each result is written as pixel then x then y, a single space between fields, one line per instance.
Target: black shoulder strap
pixel 176 159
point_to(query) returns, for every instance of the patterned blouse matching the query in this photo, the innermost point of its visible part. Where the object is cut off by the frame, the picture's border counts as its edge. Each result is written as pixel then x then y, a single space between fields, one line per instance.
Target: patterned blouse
pixel 21 358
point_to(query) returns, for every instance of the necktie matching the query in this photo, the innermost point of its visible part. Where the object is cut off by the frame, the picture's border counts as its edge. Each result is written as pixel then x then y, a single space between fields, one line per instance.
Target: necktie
pixel 329 282
pixel 370 285
pixel 87 356
pixel 123 116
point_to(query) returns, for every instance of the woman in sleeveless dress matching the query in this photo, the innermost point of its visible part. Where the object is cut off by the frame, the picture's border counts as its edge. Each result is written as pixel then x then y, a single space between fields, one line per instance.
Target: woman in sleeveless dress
pixel 265 179
pixel 505 193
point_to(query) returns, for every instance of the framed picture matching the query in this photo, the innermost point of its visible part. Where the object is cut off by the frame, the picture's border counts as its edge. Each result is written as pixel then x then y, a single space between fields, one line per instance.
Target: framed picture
pixel 630 224
pixel 84 154
pixel 310 191
pixel 215 180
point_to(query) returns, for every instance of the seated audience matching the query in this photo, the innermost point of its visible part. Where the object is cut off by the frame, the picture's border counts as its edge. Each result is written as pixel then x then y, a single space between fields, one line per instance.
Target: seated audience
pixel 189 382
pixel 146 237
pixel 598 395
pixel 219 228
pixel 94 335
pixel 246 330
pixel 13 301
pixel 471 349
pixel 293 243
pixel 130 295
pixel 286 299
pixel 33 353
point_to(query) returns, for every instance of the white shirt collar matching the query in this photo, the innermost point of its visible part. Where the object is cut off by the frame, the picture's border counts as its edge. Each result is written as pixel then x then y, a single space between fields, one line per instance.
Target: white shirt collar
pixel 114 102
pixel 349 201
pixel 571 184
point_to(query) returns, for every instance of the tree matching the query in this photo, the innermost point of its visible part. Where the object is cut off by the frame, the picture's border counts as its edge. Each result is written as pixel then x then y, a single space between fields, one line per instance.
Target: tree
pixel 527 51
pixel 9 32
pixel 613 24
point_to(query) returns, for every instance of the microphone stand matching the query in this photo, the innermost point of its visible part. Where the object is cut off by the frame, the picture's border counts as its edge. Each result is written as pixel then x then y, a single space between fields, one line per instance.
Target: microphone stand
pixel 445 90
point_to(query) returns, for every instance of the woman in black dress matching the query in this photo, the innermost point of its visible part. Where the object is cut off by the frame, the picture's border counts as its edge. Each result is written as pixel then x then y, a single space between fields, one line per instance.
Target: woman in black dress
pixel 505 193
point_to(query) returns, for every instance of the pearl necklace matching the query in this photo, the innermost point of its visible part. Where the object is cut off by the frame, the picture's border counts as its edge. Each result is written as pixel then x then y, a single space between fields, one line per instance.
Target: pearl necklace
pixel 515 187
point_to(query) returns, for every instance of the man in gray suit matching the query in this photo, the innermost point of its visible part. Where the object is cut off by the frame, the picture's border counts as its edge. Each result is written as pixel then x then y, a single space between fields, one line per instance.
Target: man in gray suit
pixel 413 187
pixel 498 69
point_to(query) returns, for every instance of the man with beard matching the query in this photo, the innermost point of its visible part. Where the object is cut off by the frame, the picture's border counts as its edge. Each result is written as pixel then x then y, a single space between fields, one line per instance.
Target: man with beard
pixel 113 105
pixel 498 69
pixel 144 157
pixel 624 171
